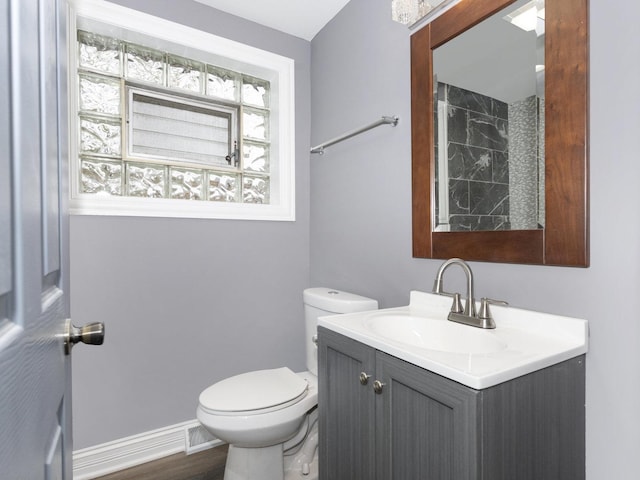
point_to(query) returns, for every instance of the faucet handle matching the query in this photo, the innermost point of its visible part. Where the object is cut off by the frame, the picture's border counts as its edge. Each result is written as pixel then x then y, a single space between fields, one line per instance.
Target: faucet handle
pixel 485 313
pixel 456 307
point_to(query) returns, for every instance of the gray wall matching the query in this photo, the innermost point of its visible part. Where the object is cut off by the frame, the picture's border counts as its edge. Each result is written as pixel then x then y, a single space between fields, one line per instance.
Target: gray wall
pixel 187 302
pixel 361 206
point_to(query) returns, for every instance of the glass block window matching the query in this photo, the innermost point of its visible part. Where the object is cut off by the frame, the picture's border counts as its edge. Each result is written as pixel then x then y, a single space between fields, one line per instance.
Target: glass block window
pixel 144 64
pixel 153 124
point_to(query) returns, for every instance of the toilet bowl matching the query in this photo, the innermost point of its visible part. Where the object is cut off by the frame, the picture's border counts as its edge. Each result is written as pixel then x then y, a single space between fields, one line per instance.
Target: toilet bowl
pixel 269 417
pixel 271 414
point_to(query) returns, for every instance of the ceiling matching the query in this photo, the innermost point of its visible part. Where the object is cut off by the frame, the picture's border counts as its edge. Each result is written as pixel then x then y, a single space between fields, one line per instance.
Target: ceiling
pixel 300 18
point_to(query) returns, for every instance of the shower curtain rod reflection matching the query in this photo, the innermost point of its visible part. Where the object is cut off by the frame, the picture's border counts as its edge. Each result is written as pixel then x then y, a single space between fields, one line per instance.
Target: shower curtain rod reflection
pixel 383 121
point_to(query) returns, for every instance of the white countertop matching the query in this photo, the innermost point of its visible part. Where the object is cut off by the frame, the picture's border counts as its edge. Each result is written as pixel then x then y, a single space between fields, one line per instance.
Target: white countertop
pixel 522 342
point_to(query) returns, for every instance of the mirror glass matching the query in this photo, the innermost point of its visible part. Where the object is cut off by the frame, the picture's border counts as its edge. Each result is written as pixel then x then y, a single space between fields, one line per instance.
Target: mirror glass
pixel 489 123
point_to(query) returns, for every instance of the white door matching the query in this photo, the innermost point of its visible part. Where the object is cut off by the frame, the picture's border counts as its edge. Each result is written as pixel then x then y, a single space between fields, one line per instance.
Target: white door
pixel 35 373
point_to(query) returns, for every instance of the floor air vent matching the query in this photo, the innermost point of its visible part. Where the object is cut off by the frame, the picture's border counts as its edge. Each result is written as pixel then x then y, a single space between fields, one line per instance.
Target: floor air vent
pixel 198 438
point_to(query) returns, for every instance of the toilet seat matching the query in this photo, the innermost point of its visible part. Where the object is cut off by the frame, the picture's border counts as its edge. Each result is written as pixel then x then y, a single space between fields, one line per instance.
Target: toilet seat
pixel 254 393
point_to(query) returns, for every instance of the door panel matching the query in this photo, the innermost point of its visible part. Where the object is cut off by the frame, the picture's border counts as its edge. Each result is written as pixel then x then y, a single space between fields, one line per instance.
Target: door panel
pixel 6 270
pixel 49 138
pixel 54 462
pixel 34 372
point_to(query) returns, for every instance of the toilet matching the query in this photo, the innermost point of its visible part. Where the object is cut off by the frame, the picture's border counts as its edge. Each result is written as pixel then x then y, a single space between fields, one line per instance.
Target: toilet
pixel 269 417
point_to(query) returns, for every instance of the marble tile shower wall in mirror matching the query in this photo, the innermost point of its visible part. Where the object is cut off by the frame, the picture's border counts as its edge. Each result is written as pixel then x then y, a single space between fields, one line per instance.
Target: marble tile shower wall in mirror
pixel 489 128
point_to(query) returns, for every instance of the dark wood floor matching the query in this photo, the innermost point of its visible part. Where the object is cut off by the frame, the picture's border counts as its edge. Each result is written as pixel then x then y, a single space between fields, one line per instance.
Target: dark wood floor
pixel 205 465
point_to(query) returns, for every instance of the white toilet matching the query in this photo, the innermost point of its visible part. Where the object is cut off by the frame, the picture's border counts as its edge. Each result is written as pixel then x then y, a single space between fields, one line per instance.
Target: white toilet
pixel 269 417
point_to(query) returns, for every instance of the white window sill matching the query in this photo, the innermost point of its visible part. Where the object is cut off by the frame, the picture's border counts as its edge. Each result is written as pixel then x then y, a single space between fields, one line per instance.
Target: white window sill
pixel 159 207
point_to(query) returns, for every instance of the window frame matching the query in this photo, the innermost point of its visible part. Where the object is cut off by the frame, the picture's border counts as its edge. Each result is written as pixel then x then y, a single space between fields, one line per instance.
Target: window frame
pixel 131 25
pixel 231 113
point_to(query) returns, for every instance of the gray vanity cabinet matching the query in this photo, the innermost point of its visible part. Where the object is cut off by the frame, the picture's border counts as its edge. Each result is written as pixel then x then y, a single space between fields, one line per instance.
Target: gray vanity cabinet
pixel 422 426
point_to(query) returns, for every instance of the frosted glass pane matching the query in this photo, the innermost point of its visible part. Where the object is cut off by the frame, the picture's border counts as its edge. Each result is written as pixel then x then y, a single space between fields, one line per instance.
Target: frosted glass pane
pixel 145 65
pixel 256 157
pixel 99 95
pixel 254 125
pixel 99 136
pixel 186 184
pixel 255 92
pixel 222 84
pixel 185 74
pixel 222 188
pixel 146 180
pixel 99 53
pixel 255 190
pixel 164 128
pixel 101 177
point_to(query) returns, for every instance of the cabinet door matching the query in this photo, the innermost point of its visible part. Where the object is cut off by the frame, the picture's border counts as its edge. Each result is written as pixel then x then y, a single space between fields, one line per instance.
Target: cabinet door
pixel 347 437
pixel 427 425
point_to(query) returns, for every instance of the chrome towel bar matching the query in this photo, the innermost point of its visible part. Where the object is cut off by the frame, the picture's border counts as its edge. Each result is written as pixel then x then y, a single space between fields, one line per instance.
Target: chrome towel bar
pixel 383 121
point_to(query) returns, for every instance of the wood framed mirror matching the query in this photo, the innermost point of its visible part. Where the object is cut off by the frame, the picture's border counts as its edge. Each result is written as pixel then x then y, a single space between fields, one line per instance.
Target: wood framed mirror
pixel 563 238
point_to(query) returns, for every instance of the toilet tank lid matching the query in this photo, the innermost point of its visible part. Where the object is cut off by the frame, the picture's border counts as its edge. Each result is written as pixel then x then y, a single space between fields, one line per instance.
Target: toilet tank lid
pixel 337 301
pixel 253 390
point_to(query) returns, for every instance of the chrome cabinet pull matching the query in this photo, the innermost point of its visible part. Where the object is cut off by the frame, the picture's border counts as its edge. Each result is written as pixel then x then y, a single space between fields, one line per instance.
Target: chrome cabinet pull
pixel 377 386
pixel 364 378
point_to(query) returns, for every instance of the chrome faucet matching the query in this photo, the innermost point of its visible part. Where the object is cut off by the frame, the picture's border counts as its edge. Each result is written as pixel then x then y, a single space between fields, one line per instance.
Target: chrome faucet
pixel 470 305
pixel 467 315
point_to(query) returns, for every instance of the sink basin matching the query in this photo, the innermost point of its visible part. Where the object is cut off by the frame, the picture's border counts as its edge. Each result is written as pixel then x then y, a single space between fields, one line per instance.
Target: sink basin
pixel 522 342
pixel 433 334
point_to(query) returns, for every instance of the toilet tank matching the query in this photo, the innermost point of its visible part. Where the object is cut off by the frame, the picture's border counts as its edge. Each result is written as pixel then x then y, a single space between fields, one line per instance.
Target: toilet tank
pixel 320 301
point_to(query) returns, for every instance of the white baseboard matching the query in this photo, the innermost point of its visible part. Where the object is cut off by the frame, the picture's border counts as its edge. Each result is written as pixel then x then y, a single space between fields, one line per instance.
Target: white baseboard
pixel 128 452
